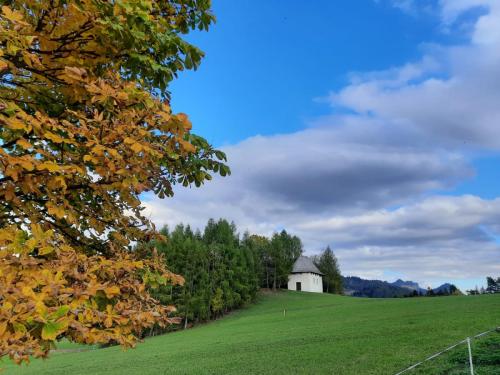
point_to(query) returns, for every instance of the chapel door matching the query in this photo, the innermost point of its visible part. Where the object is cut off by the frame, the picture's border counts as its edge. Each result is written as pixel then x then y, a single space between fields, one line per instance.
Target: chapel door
pixel 298 286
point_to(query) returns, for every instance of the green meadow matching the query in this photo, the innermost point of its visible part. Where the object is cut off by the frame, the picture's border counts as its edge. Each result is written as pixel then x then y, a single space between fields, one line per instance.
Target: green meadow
pixel 319 334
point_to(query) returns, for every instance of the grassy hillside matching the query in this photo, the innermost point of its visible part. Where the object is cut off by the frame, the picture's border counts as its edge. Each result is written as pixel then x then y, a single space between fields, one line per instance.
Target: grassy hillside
pixel 321 334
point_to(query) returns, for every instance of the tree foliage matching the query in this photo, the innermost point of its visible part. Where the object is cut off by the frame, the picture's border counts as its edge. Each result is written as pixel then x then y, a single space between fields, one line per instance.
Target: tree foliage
pixel 493 286
pixel 284 250
pixel 86 127
pixel 328 265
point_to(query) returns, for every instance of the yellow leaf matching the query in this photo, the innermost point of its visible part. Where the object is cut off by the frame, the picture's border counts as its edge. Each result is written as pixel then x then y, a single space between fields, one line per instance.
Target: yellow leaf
pixel 16 124
pixel 56 211
pixel 3 328
pixel 27 60
pixel 45 250
pixel 114 153
pixel 136 147
pixel 54 137
pixel 187 146
pixel 112 291
pixel 37 230
pixel 108 322
pixel 185 121
pixel 48 165
pixel 74 74
pixel 11 15
pixel 30 245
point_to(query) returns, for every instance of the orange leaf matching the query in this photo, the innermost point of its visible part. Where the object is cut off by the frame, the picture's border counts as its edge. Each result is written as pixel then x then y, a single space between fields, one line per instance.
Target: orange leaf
pixel 24 144
pixel 3 65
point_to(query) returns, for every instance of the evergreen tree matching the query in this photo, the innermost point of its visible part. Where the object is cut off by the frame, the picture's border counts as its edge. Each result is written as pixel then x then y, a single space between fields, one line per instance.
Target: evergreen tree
pixel 493 286
pixel 260 247
pixel 328 265
pixel 284 250
pixel 221 272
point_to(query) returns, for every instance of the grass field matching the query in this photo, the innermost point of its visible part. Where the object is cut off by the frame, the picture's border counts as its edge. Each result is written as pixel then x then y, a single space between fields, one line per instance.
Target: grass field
pixel 320 334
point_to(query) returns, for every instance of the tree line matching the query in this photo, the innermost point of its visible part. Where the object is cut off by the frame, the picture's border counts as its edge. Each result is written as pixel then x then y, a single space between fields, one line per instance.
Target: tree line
pixel 224 271
pixel 492 287
pixel 444 290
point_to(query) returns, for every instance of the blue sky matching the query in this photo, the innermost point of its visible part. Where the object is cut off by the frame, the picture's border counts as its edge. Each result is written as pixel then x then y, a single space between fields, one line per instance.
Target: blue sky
pixel 267 61
pixel 371 126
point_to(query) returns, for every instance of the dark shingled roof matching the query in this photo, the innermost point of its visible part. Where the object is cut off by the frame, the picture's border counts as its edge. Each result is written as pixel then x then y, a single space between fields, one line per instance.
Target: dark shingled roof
pixel 304 264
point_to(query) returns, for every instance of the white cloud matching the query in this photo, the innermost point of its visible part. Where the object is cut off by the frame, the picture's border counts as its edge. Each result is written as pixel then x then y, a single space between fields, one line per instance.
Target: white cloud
pixel 404 5
pixel 413 7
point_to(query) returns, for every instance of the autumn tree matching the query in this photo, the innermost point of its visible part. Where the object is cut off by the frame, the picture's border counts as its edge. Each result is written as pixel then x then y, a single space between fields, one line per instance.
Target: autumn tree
pixel 85 128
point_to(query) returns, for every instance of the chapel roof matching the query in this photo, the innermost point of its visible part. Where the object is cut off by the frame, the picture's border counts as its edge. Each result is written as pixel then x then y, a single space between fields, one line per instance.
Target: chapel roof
pixel 304 264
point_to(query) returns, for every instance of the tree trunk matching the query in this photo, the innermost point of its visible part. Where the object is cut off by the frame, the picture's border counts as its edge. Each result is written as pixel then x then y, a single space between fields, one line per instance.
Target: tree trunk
pixel 274 281
pixel 267 277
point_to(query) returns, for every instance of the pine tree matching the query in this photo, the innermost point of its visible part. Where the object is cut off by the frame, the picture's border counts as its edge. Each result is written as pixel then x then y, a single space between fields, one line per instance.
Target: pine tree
pixel 493 286
pixel 328 265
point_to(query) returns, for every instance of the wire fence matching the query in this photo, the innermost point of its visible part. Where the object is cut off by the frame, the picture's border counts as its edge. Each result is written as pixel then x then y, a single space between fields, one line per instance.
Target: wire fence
pixel 448 349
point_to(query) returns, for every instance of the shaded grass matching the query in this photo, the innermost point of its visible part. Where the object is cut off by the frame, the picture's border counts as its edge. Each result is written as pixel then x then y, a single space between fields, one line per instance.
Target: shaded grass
pixel 485 355
pixel 320 334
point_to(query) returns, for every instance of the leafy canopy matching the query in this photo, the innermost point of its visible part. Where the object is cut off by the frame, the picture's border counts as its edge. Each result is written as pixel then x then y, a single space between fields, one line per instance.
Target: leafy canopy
pixel 85 128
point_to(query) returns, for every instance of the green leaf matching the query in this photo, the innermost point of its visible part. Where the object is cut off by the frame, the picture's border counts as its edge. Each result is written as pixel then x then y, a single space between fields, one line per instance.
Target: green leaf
pixel 52 329
pixel 49 331
pixel 61 311
pixel 19 327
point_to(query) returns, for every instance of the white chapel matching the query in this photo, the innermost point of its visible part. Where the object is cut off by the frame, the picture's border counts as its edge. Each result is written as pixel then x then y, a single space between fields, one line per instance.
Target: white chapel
pixel 305 276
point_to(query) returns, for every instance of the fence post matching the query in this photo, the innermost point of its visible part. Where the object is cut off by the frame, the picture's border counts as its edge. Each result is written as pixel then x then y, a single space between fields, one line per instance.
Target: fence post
pixel 470 357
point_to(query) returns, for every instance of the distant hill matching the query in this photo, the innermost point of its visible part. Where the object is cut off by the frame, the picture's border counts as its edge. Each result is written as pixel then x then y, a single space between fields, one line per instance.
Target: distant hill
pixel 442 288
pixel 358 287
pixel 446 289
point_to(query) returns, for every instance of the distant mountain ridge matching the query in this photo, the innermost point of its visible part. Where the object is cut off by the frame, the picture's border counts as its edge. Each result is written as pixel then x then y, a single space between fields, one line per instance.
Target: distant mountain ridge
pixel 410 285
pixel 358 287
